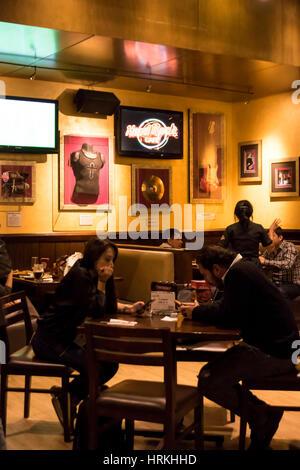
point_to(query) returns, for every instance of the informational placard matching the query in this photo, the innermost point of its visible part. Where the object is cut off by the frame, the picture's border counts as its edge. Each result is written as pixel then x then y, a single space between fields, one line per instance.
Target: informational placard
pixel 86 219
pixel 13 219
pixel 162 301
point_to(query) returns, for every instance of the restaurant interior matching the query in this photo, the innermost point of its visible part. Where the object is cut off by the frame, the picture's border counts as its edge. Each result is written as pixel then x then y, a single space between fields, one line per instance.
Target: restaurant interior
pixel 226 74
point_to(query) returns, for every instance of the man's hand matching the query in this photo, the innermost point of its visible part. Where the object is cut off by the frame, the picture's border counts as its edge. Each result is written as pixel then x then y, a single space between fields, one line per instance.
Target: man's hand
pixel 261 259
pixel 187 308
pixel 276 223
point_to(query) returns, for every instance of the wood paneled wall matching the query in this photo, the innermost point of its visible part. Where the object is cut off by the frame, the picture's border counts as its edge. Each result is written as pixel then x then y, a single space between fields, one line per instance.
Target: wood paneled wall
pixel 22 247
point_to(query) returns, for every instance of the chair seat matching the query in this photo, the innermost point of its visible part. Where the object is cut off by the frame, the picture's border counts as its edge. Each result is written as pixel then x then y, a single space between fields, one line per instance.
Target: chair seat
pixel 25 358
pixel 146 398
pixel 290 381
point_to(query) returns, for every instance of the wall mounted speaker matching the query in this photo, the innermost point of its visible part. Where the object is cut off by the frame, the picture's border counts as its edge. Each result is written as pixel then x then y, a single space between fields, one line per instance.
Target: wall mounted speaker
pixel 96 102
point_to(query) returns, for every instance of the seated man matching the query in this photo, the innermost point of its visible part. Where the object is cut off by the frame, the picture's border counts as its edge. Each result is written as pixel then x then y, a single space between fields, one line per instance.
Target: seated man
pixel 174 240
pixel 284 262
pixel 252 304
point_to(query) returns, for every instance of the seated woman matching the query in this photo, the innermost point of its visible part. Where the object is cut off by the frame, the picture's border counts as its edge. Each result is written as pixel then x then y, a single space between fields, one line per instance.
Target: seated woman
pixel 86 291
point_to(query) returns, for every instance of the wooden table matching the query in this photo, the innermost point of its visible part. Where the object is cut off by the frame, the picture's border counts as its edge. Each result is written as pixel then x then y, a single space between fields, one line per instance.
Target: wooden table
pixel 191 331
pixel 39 291
pixel 36 290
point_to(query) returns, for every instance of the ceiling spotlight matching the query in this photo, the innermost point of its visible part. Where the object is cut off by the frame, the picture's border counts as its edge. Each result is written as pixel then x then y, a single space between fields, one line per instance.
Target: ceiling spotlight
pixel 33 76
pixel 149 88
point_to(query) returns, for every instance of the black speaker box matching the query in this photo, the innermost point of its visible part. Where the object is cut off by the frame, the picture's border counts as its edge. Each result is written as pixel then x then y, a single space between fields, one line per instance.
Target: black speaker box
pixel 96 102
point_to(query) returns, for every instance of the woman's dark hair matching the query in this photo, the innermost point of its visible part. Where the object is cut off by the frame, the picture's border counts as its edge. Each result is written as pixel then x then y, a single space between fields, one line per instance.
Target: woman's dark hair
pixel 213 254
pixel 92 252
pixel 243 210
pixel 94 249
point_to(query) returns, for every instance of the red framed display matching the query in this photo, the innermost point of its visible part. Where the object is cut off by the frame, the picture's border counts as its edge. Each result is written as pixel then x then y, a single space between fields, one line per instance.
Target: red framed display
pixel 85 172
pixel 151 185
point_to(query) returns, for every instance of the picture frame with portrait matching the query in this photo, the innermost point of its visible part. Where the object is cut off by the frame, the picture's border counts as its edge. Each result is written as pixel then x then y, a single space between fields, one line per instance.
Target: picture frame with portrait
pixel 284 181
pixel 250 162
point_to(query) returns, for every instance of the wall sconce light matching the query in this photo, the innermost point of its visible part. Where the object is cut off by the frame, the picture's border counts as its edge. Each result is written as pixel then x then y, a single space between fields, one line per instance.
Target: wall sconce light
pixel 149 88
pixel 33 76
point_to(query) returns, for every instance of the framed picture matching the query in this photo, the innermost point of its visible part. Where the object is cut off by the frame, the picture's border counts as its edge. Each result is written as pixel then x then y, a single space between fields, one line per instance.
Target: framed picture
pixel 206 158
pixel 151 185
pixel 17 182
pixel 85 181
pixel 250 162
pixel 285 177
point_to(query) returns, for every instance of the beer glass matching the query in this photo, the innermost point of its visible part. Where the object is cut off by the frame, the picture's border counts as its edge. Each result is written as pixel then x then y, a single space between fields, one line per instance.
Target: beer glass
pixel 38 271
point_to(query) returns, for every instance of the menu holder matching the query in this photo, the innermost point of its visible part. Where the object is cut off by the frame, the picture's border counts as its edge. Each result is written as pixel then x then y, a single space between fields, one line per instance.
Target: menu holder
pixel 163 295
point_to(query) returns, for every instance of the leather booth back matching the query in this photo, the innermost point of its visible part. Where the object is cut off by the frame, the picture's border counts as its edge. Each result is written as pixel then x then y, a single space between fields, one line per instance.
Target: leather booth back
pixel 139 268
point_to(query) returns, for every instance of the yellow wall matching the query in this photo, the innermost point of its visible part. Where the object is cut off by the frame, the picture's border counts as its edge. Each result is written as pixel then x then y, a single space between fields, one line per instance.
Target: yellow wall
pixel 275 121
pixel 43 216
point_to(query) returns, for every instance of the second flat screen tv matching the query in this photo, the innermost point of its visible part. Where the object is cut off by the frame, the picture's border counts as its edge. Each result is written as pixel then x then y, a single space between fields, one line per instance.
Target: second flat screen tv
pixel 147 132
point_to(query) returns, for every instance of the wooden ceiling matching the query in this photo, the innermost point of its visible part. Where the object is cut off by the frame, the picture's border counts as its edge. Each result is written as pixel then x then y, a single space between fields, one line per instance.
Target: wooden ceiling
pixel 118 62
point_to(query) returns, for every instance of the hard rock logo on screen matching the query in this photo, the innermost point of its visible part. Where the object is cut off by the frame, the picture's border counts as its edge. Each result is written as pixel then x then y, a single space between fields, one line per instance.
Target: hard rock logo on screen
pixel 152 133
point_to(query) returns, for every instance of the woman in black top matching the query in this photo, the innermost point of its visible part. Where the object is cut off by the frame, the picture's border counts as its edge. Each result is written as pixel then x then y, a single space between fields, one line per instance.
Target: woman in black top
pixel 86 291
pixel 245 236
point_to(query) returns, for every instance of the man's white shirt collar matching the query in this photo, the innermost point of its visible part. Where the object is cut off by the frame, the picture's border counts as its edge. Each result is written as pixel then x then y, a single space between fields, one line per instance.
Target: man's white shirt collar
pixel 236 259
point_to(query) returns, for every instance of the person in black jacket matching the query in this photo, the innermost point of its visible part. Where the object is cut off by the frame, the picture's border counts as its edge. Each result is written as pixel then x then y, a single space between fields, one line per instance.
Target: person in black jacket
pixel 6 274
pixel 252 304
pixel 245 236
pixel 86 291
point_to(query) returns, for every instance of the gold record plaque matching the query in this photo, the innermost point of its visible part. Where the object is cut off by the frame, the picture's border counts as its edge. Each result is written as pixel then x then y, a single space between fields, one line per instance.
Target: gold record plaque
pixel 151 185
pixel 153 189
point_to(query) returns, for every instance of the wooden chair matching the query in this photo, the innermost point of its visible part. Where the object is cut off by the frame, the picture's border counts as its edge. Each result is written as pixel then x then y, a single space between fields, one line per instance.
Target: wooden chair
pixel 286 382
pixel 204 351
pixel 13 309
pixel 158 402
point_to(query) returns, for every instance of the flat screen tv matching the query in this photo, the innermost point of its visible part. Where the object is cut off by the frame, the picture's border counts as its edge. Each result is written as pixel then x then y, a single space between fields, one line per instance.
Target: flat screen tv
pixel 152 133
pixel 28 125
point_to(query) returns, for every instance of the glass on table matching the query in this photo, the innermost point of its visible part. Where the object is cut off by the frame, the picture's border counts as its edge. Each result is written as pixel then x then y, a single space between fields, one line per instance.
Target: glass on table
pixel 34 260
pixel 38 271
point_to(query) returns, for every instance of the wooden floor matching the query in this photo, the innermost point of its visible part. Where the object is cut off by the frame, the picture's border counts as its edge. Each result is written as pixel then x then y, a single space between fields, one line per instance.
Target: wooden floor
pixel 42 430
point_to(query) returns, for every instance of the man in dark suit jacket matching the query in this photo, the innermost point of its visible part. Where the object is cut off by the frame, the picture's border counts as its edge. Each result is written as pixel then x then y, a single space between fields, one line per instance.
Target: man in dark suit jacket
pixel 252 304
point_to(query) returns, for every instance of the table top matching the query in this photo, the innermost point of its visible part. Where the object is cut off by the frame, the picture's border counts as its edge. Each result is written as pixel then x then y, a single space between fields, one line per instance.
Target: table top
pixel 189 329
pixel 33 281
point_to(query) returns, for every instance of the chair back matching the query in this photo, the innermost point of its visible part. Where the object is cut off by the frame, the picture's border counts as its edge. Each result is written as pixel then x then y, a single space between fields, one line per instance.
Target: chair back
pixel 127 345
pixel 13 309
